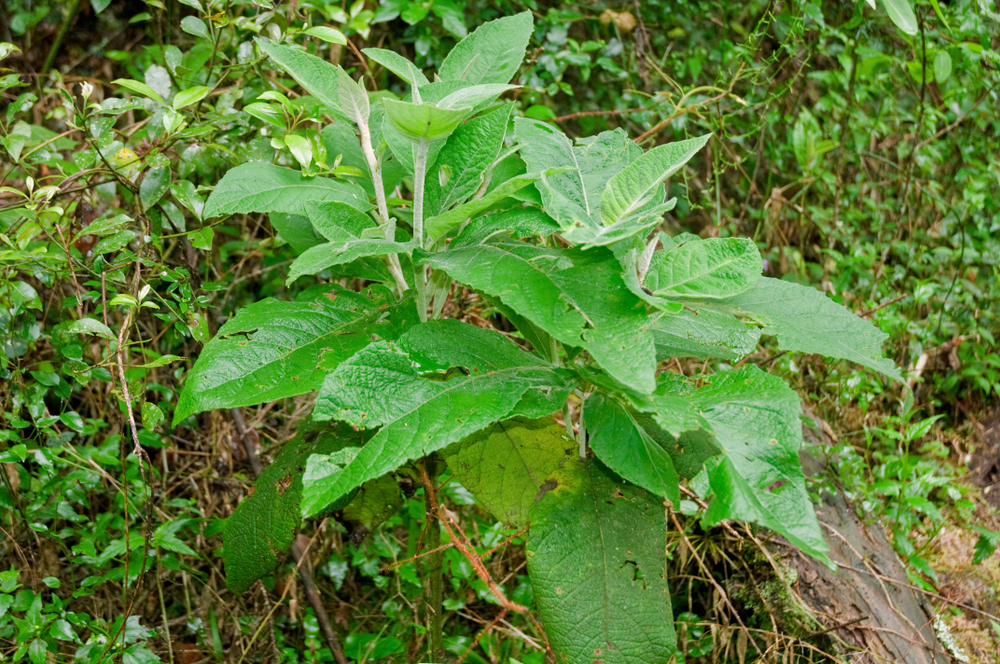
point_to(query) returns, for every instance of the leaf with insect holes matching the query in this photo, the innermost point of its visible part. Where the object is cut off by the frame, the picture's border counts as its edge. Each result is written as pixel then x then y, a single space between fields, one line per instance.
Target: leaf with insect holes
pixel 263 526
pixel 596 558
pixel 758 477
pixel 506 465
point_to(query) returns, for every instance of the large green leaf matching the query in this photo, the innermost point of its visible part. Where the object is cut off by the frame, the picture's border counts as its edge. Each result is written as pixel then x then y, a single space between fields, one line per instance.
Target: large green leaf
pixel 507 464
pixel 260 187
pixel 640 185
pixel 439 225
pixel 316 75
pixel 705 269
pixel 702 333
pixel 346 228
pixel 263 526
pixel 465 160
pixel 273 349
pixel 806 320
pixel 423 122
pixel 577 297
pixel 596 559
pixel 518 222
pixel 756 420
pixel 573 197
pixel 420 405
pixel 398 65
pixel 491 54
pixel 627 449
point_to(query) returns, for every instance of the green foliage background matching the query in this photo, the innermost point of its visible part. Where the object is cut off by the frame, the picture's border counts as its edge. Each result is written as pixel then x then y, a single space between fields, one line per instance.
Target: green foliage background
pixel 860 159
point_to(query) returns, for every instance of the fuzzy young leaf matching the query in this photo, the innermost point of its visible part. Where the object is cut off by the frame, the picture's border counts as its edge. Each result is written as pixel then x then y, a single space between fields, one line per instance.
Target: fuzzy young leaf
pixel 596 554
pixel 627 449
pixel 439 225
pixel 423 122
pixel 492 53
pixel 518 222
pixel 344 226
pixel 469 153
pixel 758 478
pixel 386 386
pixel 506 465
pixel 577 297
pixel 573 198
pixel 702 333
pixel 640 185
pixel 273 349
pixel 260 187
pixel 705 270
pixel 806 320
pixel 398 65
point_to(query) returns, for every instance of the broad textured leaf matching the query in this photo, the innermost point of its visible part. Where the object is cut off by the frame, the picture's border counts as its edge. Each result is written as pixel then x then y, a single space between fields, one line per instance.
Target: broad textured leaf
pixel 756 420
pixel 518 222
pixel 491 54
pixel 689 452
pixel 474 96
pixel 398 65
pixel 317 76
pixel 702 333
pixel 423 122
pixel 345 227
pixel 577 297
pixel 507 464
pixel 319 469
pixel 439 225
pixel 705 270
pixel 573 198
pixel 468 155
pixel 408 391
pixel 806 320
pixel 353 98
pixel 902 15
pixel 671 406
pixel 596 559
pixel 594 235
pixel 263 525
pixel 260 187
pixel 627 449
pixel 273 349
pixel 640 185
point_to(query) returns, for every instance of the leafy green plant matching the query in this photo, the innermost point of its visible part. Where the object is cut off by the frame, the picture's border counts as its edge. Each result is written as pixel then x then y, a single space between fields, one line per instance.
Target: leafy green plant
pixel 559 237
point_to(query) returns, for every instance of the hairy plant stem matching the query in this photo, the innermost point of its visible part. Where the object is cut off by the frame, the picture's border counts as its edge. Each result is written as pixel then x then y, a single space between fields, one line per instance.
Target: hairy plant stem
pixel 419 272
pixel 375 167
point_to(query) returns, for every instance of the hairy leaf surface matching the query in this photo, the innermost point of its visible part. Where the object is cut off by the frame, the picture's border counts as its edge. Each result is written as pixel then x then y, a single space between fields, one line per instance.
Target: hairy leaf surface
pixel 705 270
pixel 316 75
pixel 596 558
pixel 260 187
pixel 398 65
pixel 627 449
pixel 806 320
pixel 492 53
pixel 639 186
pixel 577 297
pixel 702 333
pixel 506 465
pixel 755 418
pixel 273 349
pixel 406 390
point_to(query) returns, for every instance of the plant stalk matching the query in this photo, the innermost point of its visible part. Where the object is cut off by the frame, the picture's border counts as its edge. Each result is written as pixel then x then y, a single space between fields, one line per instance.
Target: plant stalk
pixel 435 572
pixel 419 176
pixel 50 59
pixel 375 168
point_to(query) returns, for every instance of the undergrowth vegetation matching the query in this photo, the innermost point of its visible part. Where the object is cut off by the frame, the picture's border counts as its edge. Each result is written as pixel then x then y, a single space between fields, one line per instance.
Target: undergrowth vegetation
pixel 190 189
